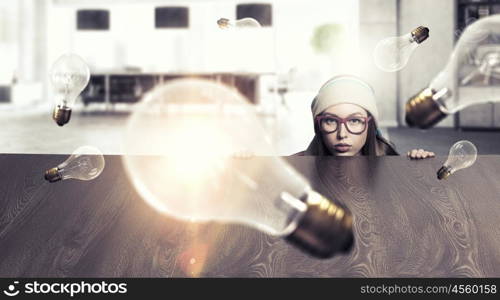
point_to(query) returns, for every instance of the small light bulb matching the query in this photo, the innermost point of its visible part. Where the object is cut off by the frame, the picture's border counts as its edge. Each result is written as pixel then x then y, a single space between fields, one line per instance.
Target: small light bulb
pixel 69 75
pixel 462 155
pixel 240 24
pixel 86 163
pixel 392 54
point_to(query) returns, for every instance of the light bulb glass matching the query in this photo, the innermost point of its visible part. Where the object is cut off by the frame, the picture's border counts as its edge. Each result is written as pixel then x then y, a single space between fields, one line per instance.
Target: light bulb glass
pixel 210 153
pixel 393 53
pixel 245 23
pixel 462 155
pixel 474 62
pixel 85 163
pixel 69 75
pixel 202 155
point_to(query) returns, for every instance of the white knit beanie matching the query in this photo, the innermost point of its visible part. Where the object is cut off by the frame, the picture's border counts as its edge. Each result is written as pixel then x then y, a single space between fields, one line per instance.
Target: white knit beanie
pixel 345 89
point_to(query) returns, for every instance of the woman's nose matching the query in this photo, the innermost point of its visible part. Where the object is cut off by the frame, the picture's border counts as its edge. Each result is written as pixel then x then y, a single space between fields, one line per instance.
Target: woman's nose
pixel 342 132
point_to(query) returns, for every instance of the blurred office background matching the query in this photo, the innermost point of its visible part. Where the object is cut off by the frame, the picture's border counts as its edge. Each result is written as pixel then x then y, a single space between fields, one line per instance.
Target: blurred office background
pixel 133 45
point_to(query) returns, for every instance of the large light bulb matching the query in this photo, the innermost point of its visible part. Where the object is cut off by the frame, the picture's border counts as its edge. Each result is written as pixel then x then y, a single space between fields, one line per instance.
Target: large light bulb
pixel 69 75
pixel 463 81
pixel 392 54
pixel 239 24
pixel 462 155
pixel 85 163
pixel 196 151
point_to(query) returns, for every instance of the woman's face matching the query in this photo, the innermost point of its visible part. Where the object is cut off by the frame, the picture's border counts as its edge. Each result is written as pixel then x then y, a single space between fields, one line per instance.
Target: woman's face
pixel 342 142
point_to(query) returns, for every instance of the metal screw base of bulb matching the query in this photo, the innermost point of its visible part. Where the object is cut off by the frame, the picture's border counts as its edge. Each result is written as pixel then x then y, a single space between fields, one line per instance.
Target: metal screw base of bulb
pixel 223 23
pixel 325 228
pixel 423 111
pixel 52 175
pixel 61 115
pixel 420 34
pixel 443 173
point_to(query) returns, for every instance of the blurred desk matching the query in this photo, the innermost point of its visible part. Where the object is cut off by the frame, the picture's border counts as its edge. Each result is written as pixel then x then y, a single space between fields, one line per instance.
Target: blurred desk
pixel 407 224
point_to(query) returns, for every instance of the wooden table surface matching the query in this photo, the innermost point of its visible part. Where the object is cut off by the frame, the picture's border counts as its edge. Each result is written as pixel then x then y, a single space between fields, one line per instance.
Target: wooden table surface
pixel 407 224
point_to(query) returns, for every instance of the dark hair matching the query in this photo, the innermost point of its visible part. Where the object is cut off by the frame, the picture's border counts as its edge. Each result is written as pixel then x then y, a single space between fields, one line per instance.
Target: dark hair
pixel 375 144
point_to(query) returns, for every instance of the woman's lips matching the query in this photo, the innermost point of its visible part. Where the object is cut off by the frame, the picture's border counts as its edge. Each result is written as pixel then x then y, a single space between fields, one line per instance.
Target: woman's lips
pixel 342 148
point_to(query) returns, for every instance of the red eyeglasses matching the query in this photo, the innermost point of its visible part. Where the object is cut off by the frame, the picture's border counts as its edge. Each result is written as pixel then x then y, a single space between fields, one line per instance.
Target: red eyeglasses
pixel 329 124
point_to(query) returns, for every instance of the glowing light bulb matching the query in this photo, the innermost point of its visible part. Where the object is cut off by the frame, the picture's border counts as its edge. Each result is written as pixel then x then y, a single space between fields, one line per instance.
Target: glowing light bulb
pixel 86 163
pixel 206 157
pixel 240 24
pixel 392 54
pixel 462 155
pixel 473 62
pixel 69 75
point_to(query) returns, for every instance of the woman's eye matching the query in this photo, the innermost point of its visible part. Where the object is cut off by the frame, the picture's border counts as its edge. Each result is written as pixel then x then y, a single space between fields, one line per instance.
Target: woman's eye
pixel 330 121
pixel 355 121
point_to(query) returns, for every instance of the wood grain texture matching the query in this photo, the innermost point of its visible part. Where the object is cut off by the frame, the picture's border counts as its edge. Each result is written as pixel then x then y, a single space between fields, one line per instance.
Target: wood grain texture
pixel 407 224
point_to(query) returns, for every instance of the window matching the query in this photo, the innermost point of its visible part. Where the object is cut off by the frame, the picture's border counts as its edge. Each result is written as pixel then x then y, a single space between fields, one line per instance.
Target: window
pixel 92 19
pixel 4 93
pixel 171 17
pixel 260 12
pixel 468 11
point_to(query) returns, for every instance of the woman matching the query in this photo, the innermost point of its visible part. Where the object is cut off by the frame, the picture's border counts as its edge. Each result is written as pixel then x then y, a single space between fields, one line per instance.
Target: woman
pixel 345 122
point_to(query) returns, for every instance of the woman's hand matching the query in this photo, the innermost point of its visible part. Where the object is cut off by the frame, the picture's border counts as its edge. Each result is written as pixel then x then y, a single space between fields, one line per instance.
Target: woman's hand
pixel 420 153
